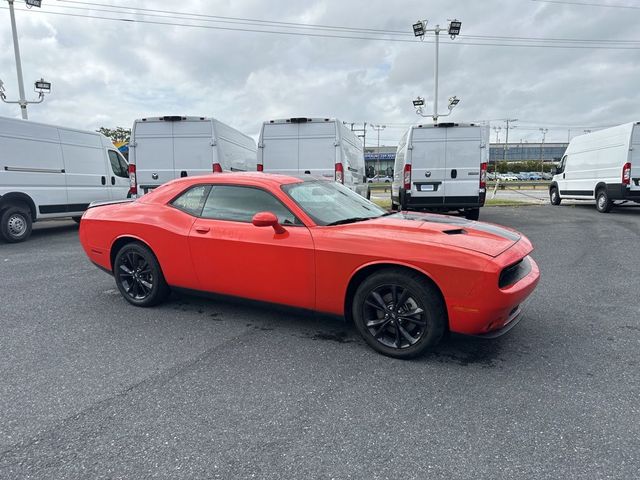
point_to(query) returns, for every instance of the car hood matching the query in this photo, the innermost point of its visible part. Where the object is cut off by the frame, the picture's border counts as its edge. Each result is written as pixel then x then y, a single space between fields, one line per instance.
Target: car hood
pixel 480 237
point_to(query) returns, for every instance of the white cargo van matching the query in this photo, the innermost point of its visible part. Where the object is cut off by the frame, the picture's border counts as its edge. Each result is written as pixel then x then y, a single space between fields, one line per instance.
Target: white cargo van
pixel 323 147
pixel 603 165
pixel 164 148
pixel 52 172
pixel 442 167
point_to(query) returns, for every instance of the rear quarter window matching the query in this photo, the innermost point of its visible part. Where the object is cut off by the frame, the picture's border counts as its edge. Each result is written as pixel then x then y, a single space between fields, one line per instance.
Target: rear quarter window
pixel 192 200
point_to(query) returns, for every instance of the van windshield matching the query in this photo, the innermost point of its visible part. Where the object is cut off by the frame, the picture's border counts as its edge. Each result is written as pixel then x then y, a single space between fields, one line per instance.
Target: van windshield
pixel 330 203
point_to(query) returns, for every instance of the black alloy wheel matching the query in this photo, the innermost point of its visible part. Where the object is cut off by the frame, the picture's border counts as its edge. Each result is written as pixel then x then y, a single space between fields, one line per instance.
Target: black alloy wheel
pixel 138 276
pixel 399 313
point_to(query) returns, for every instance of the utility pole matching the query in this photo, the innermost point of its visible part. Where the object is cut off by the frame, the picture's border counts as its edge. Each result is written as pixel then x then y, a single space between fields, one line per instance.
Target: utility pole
pixel 495 160
pixel 544 134
pixel 378 128
pixel 506 142
pixel 419 29
pixel 41 86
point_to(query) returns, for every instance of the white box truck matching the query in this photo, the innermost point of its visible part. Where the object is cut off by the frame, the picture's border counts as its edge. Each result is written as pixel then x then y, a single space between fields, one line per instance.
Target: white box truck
pixel 442 167
pixel 603 166
pixel 48 171
pixel 168 147
pixel 323 147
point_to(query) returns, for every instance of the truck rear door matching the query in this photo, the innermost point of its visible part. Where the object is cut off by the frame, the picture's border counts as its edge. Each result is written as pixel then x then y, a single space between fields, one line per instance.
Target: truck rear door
pixel 280 148
pixel 428 166
pixel 462 165
pixel 317 150
pixel 152 153
pixel 192 149
pixel 635 158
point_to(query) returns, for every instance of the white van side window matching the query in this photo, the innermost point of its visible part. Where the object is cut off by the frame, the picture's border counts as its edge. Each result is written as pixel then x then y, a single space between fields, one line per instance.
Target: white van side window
pixel 118 165
pixel 563 163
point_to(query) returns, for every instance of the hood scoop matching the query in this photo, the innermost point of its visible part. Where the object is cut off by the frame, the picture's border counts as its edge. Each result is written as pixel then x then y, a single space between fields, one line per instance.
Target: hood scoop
pixel 455 231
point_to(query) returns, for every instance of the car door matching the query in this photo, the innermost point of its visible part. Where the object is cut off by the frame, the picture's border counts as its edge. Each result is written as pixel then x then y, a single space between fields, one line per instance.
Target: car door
pixel 231 256
pixel 118 175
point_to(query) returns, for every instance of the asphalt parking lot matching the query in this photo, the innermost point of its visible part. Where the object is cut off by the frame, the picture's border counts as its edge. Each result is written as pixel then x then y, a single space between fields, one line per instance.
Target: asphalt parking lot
pixel 95 388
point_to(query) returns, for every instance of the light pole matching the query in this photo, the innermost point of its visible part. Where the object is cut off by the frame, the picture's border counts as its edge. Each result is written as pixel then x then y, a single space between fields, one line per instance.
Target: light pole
pixel 544 134
pixel 506 141
pixel 419 29
pixel 495 160
pixel 378 128
pixel 41 87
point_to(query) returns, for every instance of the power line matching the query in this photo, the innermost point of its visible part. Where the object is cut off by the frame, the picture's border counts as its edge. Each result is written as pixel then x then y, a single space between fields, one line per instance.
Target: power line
pixel 348 37
pixel 562 2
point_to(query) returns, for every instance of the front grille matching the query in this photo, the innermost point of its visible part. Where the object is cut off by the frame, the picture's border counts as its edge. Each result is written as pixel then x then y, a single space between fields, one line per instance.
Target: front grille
pixel 514 273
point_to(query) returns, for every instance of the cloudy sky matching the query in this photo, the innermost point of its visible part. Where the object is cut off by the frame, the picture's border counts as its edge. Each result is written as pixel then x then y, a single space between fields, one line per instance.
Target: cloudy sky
pixel 510 61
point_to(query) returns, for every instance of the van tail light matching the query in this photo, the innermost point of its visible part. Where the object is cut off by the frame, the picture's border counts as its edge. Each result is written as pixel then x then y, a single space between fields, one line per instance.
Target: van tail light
pixel 260 167
pixel 217 168
pixel 339 173
pixel 133 185
pixel 626 174
pixel 483 175
pixel 407 177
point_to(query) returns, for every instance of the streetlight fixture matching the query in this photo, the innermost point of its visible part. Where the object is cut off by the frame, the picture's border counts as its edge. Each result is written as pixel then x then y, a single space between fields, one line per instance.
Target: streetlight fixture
pixel 41 87
pixel 419 30
pixel 418 102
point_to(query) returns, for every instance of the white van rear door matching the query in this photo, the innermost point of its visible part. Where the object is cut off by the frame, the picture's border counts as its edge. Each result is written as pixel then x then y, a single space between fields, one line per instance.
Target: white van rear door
pixel 280 148
pixel 153 153
pixel 463 158
pixel 428 164
pixel 192 149
pixel 635 158
pixel 317 152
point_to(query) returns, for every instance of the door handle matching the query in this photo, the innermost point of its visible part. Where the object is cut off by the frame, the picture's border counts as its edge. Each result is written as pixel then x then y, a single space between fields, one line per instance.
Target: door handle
pixel 454 173
pixel 113 180
pixel 103 180
pixel 563 176
pixel 202 229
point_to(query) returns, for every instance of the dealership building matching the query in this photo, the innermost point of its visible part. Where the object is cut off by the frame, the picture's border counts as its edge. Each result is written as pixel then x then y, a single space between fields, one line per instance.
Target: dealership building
pixel 380 161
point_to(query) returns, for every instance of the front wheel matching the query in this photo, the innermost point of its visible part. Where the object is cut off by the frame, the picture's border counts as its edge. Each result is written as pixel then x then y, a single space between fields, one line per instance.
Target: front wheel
pixel 603 202
pixel 15 224
pixel 138 275
pixel 398 313
pixel 554 196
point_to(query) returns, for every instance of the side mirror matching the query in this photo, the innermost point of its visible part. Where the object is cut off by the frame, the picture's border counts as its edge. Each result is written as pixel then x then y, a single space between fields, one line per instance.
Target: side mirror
pixel 267 219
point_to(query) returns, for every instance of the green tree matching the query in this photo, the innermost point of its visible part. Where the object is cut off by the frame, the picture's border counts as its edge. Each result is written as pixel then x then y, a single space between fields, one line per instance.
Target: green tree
pixel 117 134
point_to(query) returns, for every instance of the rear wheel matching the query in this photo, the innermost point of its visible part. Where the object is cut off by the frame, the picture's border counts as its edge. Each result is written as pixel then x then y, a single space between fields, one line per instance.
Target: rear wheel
pixel 398 313
pixel 472 214
pixel 15 224
pixel 554 196
pixel 603 202
pixel 138 275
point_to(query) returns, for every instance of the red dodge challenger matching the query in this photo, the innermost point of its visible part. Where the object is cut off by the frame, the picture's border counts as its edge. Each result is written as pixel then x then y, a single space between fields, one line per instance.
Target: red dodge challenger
pixel 403 278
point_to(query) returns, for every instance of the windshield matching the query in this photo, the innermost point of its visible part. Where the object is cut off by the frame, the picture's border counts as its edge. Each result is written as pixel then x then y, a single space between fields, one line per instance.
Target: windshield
pixel 330 203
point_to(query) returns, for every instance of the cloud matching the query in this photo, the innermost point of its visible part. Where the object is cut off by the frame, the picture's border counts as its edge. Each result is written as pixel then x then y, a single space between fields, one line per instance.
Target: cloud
pixel 107 73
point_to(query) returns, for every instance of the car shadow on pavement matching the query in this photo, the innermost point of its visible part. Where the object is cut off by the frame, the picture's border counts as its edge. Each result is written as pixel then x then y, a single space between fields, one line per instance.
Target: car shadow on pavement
pixel 453 349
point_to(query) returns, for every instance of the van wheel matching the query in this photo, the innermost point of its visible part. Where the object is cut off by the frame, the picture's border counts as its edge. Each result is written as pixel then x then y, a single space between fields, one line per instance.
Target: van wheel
pixel 554 196
pixel 139 276
pixel 394 206
pixel 399 313
pixel 368 194
pixel 603 202
pixel 472 214
pixel 15 224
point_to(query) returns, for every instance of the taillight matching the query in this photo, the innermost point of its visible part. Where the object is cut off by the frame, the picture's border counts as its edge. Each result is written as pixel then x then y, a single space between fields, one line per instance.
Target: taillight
pixel 407 177
pixel 133 186
pixel 260 167
pixel 339 173
pixel 483 175
pixel 626 174
pixel 217 168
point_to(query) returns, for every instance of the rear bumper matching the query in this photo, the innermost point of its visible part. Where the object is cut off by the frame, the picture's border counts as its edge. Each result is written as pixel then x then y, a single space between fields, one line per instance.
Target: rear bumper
pixel 622 192
pixel 410 202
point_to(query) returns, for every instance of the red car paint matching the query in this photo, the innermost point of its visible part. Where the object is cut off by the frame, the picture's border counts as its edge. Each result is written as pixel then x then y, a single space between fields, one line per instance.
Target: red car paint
pixel 311 266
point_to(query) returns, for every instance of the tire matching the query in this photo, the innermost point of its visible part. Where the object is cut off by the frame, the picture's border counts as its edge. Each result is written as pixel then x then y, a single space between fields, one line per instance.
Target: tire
pixel 368 193
pixel 138 275
pixel 393 330
pixel 554 196
pixel 472 214
pixel 15 224
pixel 76 219
pixel 603 202
pixel 394 206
